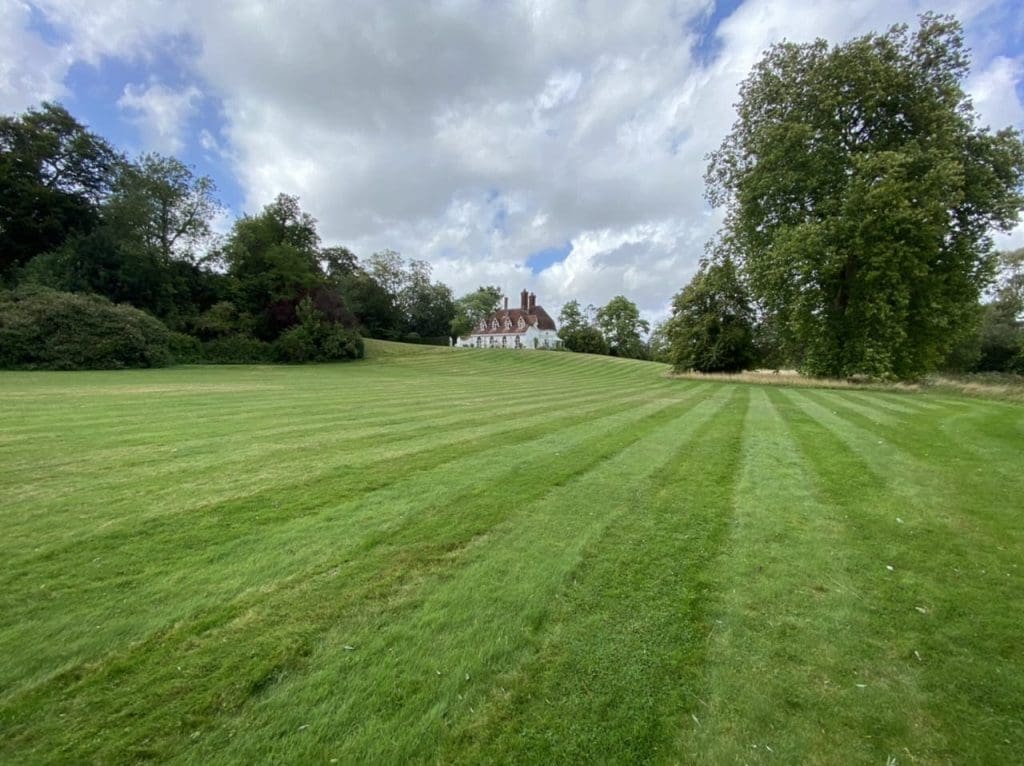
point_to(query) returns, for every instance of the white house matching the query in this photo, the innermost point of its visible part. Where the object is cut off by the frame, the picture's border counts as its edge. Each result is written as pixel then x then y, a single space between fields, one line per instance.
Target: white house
pixel 528 326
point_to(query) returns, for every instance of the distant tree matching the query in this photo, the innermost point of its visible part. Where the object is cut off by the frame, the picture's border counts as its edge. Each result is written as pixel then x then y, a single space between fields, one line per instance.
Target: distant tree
pixel 620 323
pixel 388 269
pixel 571 317
pixel 473 307
pixel 712 325
pixel 273 261
pixel 159 205
pixel 54 174
pixel 402 298
pixel 577 330
pixel 659 344
pixel 584 340
pixel 1009 292
pixel 998 343
pixel 428 307
pixel 860 194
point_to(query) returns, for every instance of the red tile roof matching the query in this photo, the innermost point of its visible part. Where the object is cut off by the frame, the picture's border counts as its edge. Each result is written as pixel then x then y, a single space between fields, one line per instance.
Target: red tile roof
pixel 535 317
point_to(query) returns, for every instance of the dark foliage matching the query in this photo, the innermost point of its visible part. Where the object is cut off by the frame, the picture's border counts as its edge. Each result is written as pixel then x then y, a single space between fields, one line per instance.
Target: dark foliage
pixel 860 196
pixel 53 175
pixel 47 329
pixel 585 340
pixel 712 325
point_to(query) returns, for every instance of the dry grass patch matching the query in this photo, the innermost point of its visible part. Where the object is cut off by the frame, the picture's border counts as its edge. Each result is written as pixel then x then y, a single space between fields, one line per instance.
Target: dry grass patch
pixel 1003 387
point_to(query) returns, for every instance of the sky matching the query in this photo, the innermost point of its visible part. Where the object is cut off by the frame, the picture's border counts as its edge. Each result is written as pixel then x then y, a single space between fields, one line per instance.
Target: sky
pixel 554 146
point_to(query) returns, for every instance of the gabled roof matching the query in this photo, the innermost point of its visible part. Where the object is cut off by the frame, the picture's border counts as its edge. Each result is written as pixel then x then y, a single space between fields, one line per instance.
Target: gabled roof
pixel 535 317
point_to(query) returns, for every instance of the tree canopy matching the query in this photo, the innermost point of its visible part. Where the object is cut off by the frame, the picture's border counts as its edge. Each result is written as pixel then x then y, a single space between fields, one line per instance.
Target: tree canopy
pixel 577 330
pixel 712 325
pixel 474 306
pixel 860 195
pixel 53 175
pixel 620 323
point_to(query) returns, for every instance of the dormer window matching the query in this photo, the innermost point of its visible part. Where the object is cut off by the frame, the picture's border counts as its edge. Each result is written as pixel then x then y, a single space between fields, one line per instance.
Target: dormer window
pixel 494 324
pixel 508 324
pixel 483 325
pixel 520 324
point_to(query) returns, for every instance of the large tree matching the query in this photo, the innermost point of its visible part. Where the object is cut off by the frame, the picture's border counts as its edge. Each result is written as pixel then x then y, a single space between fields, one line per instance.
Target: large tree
pixel 274 261
pixel 160 205
pixel 577 330
pixel 860 195
pixel 712 325
pixel 54 173
pixel 474 306
pixel 620 323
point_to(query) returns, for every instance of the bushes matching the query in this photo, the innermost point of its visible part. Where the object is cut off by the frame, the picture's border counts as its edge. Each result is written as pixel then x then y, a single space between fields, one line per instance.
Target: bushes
pixel 236 349
pixel 316 340
pixel 45 329
pixel 50 330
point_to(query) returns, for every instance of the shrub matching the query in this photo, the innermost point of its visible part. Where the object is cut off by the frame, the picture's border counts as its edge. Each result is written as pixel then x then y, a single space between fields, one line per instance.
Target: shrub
pixel 42 328
pixel 185 349
pixel 316 339
pixel 324 343
pixel 237 349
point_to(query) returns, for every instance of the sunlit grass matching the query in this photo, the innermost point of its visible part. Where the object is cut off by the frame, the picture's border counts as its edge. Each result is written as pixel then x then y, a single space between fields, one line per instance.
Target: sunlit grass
pixel 444 555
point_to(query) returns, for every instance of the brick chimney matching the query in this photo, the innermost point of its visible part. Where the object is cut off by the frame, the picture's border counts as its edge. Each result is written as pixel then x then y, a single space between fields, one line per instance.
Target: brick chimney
pixel 523 296
pixel 506 303
pixel 533 301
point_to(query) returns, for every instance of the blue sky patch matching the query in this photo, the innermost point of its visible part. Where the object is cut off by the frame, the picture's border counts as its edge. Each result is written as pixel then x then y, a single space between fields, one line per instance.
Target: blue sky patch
pixel 547 257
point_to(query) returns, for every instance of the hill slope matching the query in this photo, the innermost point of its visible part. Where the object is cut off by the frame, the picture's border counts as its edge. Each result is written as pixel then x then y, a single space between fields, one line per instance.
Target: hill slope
pixel 484 556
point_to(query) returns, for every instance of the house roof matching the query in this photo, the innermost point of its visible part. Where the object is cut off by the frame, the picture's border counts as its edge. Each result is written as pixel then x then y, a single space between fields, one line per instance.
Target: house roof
pixel 535 317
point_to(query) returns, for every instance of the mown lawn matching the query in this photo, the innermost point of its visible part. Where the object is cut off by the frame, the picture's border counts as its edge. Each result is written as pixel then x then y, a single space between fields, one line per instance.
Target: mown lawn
pixel 485 556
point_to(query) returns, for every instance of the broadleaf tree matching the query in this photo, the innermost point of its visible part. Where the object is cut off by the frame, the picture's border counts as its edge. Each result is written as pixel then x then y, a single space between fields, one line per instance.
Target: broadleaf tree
pixel 860 195
pixel 472 307
pixel 712 324
pixel 577 330
pixel 54 173
pixel 620 323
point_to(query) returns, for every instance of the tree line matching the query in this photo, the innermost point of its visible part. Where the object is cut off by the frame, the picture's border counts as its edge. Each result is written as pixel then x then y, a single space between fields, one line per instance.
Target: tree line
pixel 108 261
pixel 78 218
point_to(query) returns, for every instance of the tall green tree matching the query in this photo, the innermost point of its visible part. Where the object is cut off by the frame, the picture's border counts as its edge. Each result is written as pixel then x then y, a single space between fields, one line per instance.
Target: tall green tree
pixel 620 323
pixel 160 205
pixel 54 173
pixel 860 195
pixel 577 331
pixel 712 325
pixel 273 261
pixel 659 344
pixel 428 307
pixel 474 306
pixel 1010 282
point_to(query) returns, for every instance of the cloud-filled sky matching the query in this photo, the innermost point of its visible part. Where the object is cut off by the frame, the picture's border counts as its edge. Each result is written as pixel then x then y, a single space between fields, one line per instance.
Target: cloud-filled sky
pixel 557 146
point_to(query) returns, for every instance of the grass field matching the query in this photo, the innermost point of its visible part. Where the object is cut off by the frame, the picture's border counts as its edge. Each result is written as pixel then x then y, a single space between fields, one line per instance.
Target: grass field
pixel 483 556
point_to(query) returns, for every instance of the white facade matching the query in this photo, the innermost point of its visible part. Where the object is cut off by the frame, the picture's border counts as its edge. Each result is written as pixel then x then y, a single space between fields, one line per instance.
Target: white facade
pixel 529 338
pixel 526 327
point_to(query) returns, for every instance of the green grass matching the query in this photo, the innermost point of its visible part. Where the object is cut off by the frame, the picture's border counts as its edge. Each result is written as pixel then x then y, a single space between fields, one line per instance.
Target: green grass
pixel 484 556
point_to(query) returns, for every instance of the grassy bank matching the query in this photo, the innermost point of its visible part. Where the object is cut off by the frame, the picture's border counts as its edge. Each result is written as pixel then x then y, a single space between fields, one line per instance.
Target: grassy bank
pixel 484 556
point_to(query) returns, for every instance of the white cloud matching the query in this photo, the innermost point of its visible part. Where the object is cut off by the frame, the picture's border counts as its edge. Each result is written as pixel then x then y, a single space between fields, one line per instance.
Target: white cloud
pixel 31 70
pixel 994 92
pixel 161 113
pixel 474 133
